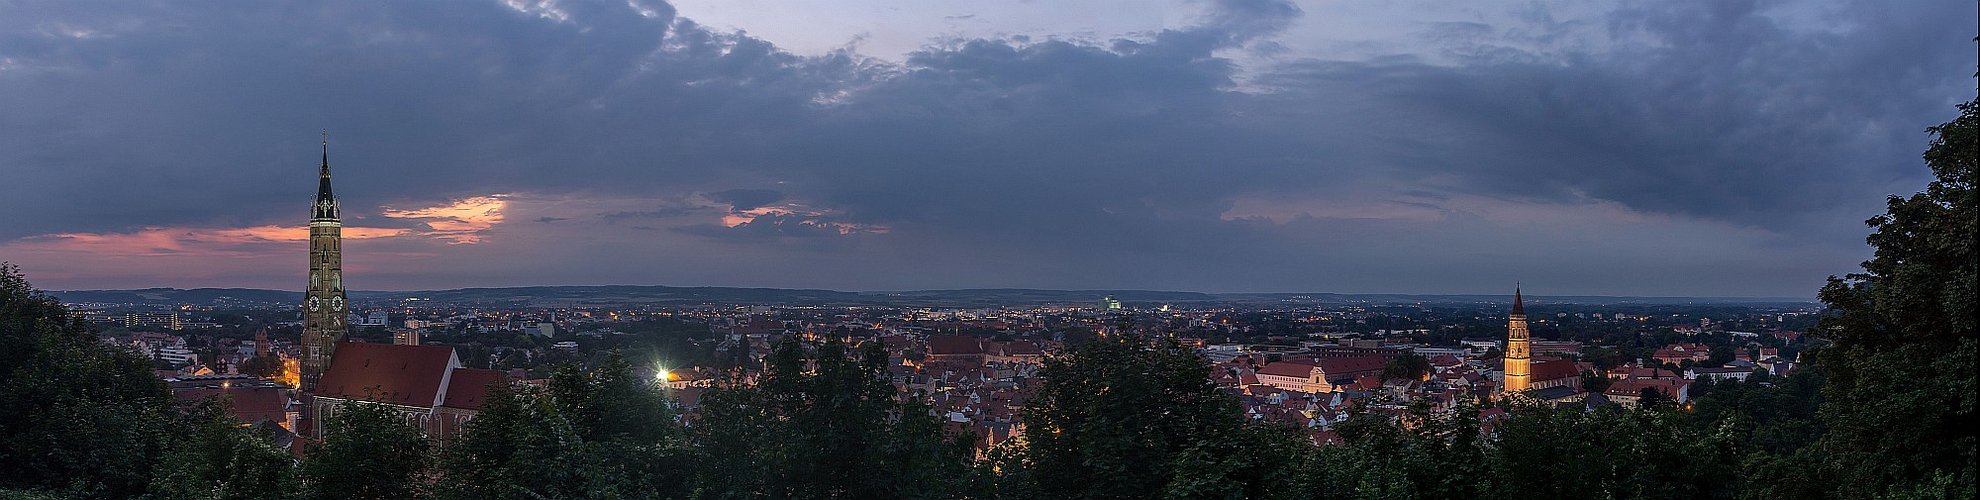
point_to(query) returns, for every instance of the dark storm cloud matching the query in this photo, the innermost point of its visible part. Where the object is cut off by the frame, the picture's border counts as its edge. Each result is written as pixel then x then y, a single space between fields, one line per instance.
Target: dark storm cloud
pixel 765 227
pixel 659 213
pixel 1720 113
pixel 1077 160
pixel 206 103
pixel 745 199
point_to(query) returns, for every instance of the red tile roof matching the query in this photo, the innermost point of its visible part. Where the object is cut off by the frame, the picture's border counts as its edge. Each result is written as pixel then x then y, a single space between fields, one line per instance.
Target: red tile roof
pixel 1013 348
pixel 1287 369
pixel 387 373
pixel 468 387
pixel 1553 370
pixel 953 345
pixel 1355 365
pixel 250 404
pixel 1636 387
pixel 1366 381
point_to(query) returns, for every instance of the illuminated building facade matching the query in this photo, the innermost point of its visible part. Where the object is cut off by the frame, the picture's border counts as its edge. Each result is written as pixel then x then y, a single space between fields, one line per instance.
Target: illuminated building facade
pixel 1519 355
pixel 323 302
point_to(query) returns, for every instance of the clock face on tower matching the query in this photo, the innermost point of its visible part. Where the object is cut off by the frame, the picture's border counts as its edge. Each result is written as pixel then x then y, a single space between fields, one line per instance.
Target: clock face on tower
pixel 336 304
pixel 313 304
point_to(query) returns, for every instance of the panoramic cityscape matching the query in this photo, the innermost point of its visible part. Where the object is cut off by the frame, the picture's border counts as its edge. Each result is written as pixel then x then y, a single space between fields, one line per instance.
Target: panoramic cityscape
pixel 1228 249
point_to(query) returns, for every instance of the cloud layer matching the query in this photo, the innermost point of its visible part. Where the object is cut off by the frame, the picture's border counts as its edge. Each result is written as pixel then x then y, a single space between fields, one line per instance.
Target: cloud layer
pixel 1703 148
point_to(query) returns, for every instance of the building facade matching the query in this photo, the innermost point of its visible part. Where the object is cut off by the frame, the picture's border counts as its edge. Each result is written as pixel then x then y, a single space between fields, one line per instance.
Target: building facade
pixel 168 320
pixel 1320 374
pixel 324 303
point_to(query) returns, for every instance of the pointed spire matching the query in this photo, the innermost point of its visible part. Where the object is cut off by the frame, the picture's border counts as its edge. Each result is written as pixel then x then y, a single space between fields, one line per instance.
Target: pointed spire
pixel 326 154
pixel 326 201
pixel 1519 304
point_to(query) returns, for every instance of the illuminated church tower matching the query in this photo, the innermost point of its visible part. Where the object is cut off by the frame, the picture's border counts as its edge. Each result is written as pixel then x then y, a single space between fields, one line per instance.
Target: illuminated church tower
pixel 1519 359
pixel 323 302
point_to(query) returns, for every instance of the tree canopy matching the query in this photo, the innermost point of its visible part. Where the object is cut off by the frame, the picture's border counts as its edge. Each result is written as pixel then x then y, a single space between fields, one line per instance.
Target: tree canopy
pixel 1900 386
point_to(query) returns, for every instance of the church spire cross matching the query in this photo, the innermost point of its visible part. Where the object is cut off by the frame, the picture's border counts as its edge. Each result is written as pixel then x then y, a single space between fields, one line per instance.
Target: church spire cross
pixel 1519 304
pixel 326 153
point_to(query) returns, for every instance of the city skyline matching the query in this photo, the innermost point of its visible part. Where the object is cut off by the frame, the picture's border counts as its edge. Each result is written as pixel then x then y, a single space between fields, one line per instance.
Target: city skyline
pixel 1215 147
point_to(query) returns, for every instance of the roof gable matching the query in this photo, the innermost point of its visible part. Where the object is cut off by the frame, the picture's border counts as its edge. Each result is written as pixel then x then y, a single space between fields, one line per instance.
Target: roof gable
pixel 1350 365
pixel 1553 369
pixel 954 345
pixel 468 387
pixel 413 375
pixel 1287 369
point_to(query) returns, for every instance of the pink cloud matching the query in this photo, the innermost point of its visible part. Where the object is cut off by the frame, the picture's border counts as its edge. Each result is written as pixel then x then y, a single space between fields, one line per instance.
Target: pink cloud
pixel 805 216
pixel 460 221
pixel 228 256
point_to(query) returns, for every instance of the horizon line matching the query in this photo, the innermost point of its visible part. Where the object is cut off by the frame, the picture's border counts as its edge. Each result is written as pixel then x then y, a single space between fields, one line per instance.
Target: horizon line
pixel 1811 298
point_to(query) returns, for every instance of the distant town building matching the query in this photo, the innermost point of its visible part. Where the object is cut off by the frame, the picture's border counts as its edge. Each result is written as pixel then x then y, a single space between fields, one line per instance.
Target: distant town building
pixel 1316 375
pixel 1721 373
pixel 958 349
pixel 541 329
pixel 177 354
pixel 167 320
pixel 1629 393
pixel 1679 353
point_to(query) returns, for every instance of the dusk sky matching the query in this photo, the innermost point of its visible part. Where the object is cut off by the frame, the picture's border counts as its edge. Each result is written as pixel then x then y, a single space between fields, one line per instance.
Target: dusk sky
pixel 1703 148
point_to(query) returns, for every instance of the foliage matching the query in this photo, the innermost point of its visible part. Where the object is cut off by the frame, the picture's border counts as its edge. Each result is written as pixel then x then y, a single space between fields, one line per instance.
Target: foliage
pixel 824 424
pixel 514 449
pixel 1408 366
pixel 211 456
pixel 262 366
pixel 602 432
pixel 1415 453
pixel 1569 452
pixel 1594 383
pixel 1900 387
pixel 1121 418
pixel 368 451
pixel 76 416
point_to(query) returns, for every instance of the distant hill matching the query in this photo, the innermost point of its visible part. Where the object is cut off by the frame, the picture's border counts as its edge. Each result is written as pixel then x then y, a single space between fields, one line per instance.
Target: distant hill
pixel 165 296
pixel 610 295
pixel 620 295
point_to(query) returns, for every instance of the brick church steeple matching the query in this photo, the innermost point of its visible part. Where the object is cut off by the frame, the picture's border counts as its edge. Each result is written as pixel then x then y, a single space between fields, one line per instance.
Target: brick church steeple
pixel 324 304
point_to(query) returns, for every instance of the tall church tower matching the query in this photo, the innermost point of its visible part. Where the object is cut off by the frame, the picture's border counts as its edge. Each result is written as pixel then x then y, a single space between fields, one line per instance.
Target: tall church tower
pixel 323 302
pixel 1519 359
